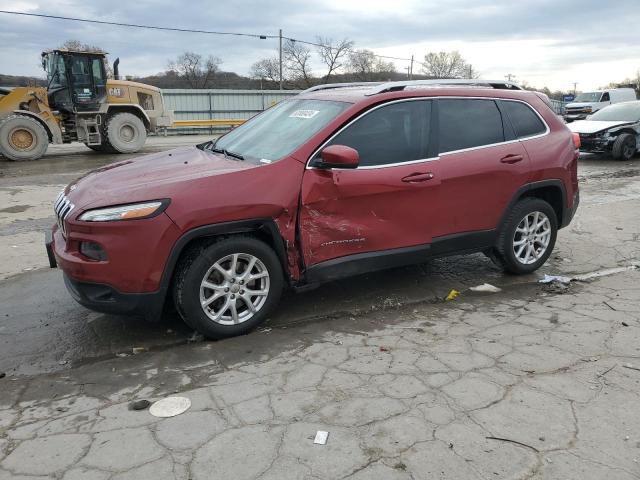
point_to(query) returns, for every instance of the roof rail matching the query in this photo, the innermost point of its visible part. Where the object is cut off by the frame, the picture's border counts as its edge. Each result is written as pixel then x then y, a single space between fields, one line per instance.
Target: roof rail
pixel 329 86
pixel 401 85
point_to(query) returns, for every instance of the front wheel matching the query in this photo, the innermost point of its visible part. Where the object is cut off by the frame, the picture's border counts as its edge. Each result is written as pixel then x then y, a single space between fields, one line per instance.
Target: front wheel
pixel 228 288
pixel 527 237
pixel 22 138
pixel 125 133
pixel 624 147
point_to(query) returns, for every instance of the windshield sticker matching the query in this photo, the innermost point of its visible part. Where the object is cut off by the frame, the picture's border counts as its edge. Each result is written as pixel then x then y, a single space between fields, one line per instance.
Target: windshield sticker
pixel 304 114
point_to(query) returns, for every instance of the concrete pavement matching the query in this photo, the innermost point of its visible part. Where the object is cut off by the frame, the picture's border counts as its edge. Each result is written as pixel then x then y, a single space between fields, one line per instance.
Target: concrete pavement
pixel 520 384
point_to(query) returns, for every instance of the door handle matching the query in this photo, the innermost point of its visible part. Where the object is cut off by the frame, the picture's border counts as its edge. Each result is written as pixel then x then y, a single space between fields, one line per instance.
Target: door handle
pixel 418 177
pixel 511 159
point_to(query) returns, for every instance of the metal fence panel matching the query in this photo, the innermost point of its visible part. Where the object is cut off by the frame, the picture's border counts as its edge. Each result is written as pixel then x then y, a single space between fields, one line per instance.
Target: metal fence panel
pixel 206 104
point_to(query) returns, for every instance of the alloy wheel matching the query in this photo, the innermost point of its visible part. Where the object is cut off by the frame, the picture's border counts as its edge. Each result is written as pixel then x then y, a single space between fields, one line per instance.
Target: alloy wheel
pixel 531 238
pixel 234 289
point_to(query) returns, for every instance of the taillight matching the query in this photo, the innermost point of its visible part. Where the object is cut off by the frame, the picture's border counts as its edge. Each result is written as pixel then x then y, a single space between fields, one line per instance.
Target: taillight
pixel 576 140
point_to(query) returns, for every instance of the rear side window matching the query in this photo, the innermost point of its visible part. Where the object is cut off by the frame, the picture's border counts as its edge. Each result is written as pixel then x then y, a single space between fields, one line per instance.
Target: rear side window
pixel 393 133
pixel 525 121
pixel 468 123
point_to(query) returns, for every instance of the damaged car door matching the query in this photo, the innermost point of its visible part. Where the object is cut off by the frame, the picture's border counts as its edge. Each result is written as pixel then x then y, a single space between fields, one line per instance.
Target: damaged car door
pixel 387 201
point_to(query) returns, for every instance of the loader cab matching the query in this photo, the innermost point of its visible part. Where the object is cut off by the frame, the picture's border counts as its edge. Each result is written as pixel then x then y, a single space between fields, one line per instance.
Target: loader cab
pixel 76 81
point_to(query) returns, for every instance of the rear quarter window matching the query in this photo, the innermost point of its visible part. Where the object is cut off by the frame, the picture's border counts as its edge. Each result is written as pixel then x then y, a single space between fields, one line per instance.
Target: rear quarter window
pixel 526 123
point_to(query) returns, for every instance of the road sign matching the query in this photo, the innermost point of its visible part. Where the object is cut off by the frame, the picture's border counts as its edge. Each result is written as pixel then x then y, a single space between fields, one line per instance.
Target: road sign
pixel 568 98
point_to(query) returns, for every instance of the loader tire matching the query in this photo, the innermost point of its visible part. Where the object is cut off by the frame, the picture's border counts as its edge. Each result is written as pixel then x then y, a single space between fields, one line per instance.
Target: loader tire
pixel 22 138
pixel 124 133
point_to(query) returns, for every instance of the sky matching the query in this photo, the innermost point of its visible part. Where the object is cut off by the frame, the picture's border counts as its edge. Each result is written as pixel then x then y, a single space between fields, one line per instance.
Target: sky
pixel 551 43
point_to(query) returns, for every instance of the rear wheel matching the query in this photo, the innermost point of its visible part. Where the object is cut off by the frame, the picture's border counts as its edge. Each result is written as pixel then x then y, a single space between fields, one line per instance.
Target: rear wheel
pixel 624 147
pixel 527 237
pixel 228 288
pixel 22 138
pixel 124 133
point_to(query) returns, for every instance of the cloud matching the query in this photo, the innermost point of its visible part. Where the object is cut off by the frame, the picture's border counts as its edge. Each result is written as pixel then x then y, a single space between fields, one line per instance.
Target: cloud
pixel 546 42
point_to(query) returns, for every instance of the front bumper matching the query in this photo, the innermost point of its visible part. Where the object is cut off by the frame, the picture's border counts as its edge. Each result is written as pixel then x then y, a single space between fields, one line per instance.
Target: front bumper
pixel 106 299
pixel 128 282
pixel 572 117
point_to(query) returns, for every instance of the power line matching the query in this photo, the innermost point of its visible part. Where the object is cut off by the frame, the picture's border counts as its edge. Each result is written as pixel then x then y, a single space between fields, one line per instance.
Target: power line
pixel 188 30
pixel 135 25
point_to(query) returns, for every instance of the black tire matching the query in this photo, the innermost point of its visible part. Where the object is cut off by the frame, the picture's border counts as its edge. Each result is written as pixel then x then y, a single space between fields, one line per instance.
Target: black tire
pixel 504 255
pixel 22 138
pixel 624 147
pixel 124 133
pixel 192 269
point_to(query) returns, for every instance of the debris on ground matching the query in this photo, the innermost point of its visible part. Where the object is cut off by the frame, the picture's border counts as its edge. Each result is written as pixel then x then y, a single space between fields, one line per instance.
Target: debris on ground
pixel 139 405
pixel 400 466
pixel 486 287
pixel 321 437
pixel 625 324
pixel 195 337
pixel 122 355
pixel 170 407
pixel 137 350
pixel 265 330
pixel 384 349
pixel 452 294
pixel 555 278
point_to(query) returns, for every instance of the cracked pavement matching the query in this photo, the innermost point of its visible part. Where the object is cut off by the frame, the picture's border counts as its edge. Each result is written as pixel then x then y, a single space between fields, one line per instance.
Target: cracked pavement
pixel 535 382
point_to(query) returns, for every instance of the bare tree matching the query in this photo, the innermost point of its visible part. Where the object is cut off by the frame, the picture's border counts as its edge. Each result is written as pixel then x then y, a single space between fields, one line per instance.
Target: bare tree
pixel 297 58
pixel 447 65
pixel 266 68
pixel 195 69
pixel 78 46
pixel 366 66
pixel 332 53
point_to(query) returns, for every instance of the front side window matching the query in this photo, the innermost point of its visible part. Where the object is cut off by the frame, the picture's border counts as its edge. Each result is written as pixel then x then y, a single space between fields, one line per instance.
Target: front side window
pixel 524 120
pixel 280 130
pixel 394 133
pixel 605 97
pixel 468 123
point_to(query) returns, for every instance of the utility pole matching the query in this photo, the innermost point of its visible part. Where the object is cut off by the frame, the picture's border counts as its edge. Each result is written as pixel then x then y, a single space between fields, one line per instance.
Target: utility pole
pixel 411 69
pixel 575 86
pixel 280 56
pixel 408 69
pixel 509 77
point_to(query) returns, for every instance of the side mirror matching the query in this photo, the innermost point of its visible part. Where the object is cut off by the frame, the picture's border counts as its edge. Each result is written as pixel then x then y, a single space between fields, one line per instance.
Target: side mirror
pixel 339 156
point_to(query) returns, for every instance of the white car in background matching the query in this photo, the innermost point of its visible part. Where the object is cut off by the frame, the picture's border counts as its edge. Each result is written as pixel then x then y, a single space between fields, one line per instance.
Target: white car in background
pixel 614 129
pixel 590 102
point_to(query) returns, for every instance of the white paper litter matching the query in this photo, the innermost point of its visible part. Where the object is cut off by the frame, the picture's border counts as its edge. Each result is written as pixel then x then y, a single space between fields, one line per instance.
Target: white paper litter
pixel 321 437
pixel 486 287
pixel 555 278
pixel 170 407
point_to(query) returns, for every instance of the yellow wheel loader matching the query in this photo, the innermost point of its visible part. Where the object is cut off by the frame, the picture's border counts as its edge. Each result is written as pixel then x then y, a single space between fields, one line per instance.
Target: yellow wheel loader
pixel 79 104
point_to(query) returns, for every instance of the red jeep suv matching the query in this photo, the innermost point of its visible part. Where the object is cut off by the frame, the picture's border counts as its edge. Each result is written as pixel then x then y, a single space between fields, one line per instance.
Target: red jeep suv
pixel 340 180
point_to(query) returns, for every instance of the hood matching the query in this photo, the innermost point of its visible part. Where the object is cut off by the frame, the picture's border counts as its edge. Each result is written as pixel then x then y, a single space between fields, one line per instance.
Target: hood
pixel 594 126
pixel 150 177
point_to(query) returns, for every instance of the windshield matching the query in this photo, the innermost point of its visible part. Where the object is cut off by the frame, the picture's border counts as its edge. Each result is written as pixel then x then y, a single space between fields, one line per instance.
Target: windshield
pixel 620 112
pixel 279 130
pixel 588 97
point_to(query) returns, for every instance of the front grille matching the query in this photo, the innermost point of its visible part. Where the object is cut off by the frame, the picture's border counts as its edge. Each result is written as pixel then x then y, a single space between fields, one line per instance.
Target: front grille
pixel 62 208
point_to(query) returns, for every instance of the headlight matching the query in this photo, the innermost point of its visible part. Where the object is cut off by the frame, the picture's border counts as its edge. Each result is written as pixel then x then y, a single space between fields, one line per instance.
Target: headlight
pixel 133 211
pixel 588 109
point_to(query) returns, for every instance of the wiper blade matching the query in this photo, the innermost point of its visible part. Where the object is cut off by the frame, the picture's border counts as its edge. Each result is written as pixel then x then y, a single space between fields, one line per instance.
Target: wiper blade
pixel 227 153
